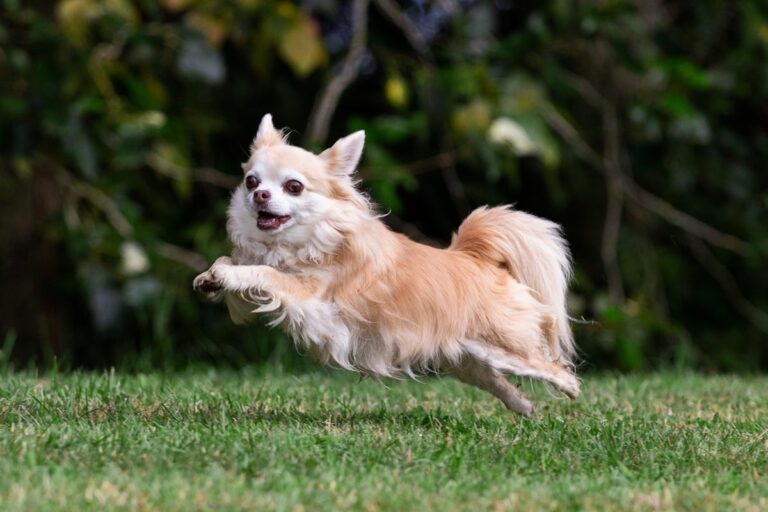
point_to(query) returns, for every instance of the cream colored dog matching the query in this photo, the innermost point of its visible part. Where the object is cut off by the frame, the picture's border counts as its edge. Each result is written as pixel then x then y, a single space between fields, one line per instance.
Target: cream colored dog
pixel 310 251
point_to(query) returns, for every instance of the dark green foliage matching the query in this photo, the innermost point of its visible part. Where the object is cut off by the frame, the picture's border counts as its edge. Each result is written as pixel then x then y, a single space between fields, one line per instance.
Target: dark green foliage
pixel 122 126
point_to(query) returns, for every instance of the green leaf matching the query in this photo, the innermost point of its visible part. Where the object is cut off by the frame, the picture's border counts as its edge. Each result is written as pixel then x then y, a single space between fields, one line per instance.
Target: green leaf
pixel 79 145
pixel 677 105
pixel 168 160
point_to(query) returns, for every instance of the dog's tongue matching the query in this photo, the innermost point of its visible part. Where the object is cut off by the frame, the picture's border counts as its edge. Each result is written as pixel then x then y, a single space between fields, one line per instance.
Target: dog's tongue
pixel 269 221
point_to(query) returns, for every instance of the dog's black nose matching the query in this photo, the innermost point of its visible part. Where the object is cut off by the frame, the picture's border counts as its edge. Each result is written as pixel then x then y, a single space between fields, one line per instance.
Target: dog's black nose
pixel 261 196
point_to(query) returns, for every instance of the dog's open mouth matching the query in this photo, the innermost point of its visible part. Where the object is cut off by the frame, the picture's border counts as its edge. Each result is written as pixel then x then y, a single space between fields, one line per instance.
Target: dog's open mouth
pixel 267 220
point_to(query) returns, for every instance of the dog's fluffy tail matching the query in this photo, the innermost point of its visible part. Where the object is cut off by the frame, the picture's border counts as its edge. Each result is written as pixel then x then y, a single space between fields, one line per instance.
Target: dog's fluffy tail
pixel 534 252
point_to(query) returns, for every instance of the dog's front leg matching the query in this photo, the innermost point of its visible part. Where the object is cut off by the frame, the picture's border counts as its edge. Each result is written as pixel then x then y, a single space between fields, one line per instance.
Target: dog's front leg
pixel 249 289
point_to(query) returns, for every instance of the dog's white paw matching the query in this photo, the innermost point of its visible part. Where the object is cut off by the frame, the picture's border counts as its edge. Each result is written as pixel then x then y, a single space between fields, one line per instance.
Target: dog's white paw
pixel 231 277
pixel 205 283
pixel 209 285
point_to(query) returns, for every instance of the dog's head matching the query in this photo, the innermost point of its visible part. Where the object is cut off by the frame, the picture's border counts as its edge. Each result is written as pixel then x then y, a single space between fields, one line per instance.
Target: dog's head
pixel 288 194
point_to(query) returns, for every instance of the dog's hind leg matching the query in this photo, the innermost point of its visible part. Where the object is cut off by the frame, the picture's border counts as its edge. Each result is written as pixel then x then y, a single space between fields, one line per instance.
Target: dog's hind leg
pixel 471 371
pixel 531 364
pixel 538 367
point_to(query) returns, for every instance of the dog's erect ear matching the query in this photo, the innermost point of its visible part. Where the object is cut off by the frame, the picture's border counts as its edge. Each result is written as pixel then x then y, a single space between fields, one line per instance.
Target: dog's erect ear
pixel 342 157
pixel 267 135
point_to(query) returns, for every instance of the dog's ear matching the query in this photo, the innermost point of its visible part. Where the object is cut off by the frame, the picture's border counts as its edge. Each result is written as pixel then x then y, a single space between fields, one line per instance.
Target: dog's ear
pixel 267 135
pixel 342 158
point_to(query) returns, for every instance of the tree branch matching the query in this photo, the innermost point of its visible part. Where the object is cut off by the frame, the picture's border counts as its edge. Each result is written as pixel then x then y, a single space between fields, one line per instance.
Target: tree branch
pixel 615 203
pixel 730 287
pixel 186 257
pixel 423 165
pixel 104 203
pixel 328 100
pixel 215 177
pixel 82 190
pixel 642 197
pixel 411 32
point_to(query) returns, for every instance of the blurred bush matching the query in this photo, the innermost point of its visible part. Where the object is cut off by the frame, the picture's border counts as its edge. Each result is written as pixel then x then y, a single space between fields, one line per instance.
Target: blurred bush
pixel 639 125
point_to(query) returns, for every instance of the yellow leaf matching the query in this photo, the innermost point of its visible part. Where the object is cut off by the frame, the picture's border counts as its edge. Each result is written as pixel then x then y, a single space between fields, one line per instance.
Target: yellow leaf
pixel 22 166
pixel 396 91
pixel 248 4
pixel 302 48
pixel 762 32
pixel 474 116
pixel 287 10
pixel 176 5
pixel 121 8
pixel 74 16
pixel 215 29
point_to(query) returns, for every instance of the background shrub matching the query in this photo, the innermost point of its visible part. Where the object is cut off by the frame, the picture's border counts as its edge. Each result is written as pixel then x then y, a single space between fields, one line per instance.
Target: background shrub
pixel 641 126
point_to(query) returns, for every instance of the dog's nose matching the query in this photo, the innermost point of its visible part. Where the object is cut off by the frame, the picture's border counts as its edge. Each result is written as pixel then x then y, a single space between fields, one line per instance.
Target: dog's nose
pixel 261 196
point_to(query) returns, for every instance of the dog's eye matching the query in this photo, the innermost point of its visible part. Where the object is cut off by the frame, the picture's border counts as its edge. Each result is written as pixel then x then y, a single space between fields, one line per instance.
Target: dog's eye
pixel 251 182
pixel 293 187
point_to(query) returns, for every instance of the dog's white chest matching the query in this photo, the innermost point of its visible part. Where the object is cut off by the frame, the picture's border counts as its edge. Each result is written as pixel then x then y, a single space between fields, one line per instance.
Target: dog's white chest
pixel 319 327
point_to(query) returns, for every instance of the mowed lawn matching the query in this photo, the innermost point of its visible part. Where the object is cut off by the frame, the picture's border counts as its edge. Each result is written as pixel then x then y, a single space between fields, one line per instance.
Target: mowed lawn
pixel 328 441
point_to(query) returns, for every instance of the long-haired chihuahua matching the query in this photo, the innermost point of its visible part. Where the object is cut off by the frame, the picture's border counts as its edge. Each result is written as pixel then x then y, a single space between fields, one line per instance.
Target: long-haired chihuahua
pixel 310 251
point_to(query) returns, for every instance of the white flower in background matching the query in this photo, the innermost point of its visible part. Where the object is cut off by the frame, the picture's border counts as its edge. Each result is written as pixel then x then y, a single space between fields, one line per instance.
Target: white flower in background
pixel 135 260
pixel 504 130
pixel 151 119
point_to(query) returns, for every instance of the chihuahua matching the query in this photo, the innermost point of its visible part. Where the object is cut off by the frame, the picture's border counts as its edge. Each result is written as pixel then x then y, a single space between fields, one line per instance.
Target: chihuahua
pixel 310 250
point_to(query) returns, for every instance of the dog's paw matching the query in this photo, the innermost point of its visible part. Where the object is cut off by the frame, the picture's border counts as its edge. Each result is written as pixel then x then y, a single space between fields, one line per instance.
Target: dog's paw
pixel 571 387
pixel 208 285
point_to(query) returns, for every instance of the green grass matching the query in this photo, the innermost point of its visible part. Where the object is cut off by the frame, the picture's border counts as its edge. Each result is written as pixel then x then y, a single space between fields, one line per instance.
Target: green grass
pixel 325 441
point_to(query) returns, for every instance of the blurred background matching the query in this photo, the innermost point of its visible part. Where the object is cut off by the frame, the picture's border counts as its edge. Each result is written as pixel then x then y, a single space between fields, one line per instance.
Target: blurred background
pixel 639 125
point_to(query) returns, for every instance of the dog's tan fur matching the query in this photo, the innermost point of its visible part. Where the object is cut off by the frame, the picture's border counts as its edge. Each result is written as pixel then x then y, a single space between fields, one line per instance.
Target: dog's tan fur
pixel 357 295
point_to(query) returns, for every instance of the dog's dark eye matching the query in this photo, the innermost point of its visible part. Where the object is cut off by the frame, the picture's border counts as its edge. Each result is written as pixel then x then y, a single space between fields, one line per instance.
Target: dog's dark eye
pixel 293 187
pixel 251 182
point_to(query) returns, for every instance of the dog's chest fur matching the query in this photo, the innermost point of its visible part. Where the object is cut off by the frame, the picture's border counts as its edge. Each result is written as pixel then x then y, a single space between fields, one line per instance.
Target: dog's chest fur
pixel 315 324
